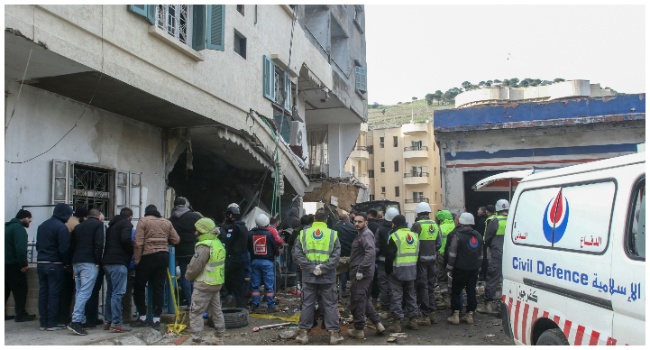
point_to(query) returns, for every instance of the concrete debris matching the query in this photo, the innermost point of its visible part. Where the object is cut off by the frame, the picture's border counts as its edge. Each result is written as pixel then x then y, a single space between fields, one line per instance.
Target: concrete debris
pixel 288 334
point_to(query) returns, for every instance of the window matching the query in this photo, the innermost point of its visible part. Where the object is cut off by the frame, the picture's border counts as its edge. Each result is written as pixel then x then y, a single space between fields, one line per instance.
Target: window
pixel 369 148
pixel 383 189
pixel 360 77
pixel 240 9
pixel 396 165
pixel 635 240
pixel 371 174
pixel 418 197
pixel 240 44
pixel 372 197
pixel 396 191
pixel 416 171
pixel 394 141
pixel 381 142
pixel 354 171
pixel 416 145
pixel 175 20
pixel 277 85
pixel 383 170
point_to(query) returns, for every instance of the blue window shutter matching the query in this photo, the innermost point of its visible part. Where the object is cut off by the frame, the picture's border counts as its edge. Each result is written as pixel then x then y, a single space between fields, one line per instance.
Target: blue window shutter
pixel 198 27
pixel 146 11
pixel 361 82
pixel 287 91
pixel 269 78
pixel 216 24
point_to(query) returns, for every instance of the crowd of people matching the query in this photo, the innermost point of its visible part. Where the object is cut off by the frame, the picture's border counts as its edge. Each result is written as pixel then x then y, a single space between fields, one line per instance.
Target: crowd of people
pixel 394 268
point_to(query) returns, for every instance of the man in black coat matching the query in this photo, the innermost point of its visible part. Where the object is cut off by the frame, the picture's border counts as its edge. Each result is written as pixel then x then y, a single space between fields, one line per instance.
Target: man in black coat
pixel 183 220
pixel 234 236
pixel 346 233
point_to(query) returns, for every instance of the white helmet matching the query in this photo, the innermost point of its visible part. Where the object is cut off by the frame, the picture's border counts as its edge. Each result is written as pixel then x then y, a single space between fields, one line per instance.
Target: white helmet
pixel 262 220
pixel 390 214
pixel 466 219
pixel 422 207
pixel 233 205
pixel 502 204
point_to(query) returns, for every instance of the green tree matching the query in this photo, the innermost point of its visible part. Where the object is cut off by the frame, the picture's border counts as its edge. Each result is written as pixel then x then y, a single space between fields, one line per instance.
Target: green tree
pixel 438 96
pixel 467 85
pixel 429 98
pixel 558 80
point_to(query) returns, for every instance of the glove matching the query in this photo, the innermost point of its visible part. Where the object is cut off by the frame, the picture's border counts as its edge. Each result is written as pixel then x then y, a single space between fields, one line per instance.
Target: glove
pixel 359 276
pixel 449 275
pixel 317 270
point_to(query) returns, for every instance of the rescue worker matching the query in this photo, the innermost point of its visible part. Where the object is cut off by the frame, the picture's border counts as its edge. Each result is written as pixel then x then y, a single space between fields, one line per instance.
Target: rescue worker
pixel 446 224
pixel 494 233
pixel 430 241
pixel 401 267
pixel 207 271
pixel 381 248
pixel 234 236
pixel 263 249
pixel 489 211
pixel 465 256
pixel 317 252
pixel 362 270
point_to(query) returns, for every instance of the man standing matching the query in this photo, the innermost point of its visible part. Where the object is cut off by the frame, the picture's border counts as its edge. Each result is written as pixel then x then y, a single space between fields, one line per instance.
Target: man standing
pixel 465 256
pixel 430 242
pixel 52 245
pixel 401 266
pixel 317 252
pixel 381 249
pixel 362 268
pixel 494 233
pixel 446 224
pixel 206 269
pixel 16 263
pixel 117 257
pixel 234 236
pixel 480 220
pixel 153 234
pixel 263 250
pixel 489 216
pixel 346 233
pixel 87 247
pixel 373 222
pixel 183 220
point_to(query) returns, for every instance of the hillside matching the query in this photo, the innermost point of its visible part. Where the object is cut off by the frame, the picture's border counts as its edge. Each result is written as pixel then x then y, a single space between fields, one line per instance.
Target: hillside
pixel 397 115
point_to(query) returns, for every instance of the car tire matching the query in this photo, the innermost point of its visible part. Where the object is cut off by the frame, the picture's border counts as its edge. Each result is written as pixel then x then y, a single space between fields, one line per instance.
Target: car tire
pixel 552 337
pixel 235 317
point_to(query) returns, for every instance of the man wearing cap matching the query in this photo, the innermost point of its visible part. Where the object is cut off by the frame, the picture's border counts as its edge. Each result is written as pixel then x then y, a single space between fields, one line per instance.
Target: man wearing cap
pixel 465 256
pixel 234 236
pixel 430 242
pixel 381 248
pixel 317 252
pixel 263 250
pixel 16 263
pixel 494 234
pixel 401 266
pixel 207 271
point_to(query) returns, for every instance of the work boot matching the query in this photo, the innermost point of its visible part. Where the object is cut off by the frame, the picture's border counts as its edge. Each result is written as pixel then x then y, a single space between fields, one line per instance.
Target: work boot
pixel 453 319
pixel 413 324
pixel 469 317
pixel 424 321
pixel 356 333
pixel 396 326
pixel 380 328
pixel 336 337
pixel 217 341
pixel 488 308
pixel 432 318
pixel 383 315
pixel 302 337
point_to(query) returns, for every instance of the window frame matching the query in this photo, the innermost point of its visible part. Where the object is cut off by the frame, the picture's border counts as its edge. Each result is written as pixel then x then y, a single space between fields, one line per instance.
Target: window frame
pixel 638 187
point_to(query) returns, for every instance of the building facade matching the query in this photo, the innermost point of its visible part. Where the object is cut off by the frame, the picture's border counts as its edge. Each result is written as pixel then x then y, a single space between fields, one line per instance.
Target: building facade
pixel 126 105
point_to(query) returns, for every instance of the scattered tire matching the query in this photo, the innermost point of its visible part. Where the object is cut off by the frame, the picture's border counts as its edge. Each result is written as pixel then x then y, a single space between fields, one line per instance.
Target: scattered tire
pixel 552 337
pixel 235 317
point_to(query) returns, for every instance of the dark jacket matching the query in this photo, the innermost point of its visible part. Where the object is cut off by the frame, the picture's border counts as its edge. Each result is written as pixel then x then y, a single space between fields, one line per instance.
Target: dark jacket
pixel 15 243
pixel 480 224
pixel 373 225
pixel 347 233
pixel 261 244
pixel 53 237
pixel 119 246
pixel 87 242
pixel 465 249
pixel 381 239
pixel 183 220
pixel 362 256
pixel 234 236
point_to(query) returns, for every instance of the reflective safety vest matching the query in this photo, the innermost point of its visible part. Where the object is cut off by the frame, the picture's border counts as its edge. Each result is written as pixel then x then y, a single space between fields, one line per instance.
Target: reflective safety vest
pixel 214 271
pixel 428 237
pixel 503 220
pixel 408 247
pixel 446 227
pixel 487 223
pixel 317 242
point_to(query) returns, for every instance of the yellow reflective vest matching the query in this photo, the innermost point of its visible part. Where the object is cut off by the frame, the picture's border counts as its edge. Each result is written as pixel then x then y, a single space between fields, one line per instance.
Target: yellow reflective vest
pixel 503 220
pixel 214 271
pixel 317 242
pixel 408 247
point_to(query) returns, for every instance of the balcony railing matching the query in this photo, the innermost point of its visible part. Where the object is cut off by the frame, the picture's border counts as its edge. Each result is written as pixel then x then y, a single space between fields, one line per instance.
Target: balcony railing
pixel 417 200
pixel 416 174
pixel 416 148
pixel 361 148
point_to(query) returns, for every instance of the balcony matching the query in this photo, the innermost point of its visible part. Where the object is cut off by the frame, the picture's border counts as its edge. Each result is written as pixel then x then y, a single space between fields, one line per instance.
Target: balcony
pixel 416 152
pixel 416 200
pixel 414 128
pixel 416 178
pixel 360 153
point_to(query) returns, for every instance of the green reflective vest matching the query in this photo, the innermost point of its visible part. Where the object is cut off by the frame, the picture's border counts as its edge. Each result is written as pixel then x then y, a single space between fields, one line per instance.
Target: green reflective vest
pixel 317 242
pixel 408 247
pixel 446 227
pixel 214 271
pixel 503 220
pixel 429 230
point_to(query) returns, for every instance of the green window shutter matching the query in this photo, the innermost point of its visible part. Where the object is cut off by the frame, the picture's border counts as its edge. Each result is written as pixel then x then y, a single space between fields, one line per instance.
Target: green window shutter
pixel 216 23
pixel 269 78
pixel 287 90
pixel 361 82
pixel 198 27
pixel 146 11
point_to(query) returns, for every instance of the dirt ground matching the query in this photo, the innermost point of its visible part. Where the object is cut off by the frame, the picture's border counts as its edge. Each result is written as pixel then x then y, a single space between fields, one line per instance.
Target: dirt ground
pixel 486 330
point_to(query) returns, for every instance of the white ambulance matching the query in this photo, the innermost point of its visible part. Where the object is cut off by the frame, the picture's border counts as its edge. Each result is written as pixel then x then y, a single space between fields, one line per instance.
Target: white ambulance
pixel 574 256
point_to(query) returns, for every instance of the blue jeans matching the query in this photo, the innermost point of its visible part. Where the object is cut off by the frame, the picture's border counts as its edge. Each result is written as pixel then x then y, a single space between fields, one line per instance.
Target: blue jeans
pixel 50 282
pixel 185 284
pixel 116 276
pixel 85 275
pixel 262 269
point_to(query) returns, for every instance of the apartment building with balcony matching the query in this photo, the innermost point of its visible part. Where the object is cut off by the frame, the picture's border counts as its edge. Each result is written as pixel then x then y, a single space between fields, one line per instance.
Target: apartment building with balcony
pixel 112 106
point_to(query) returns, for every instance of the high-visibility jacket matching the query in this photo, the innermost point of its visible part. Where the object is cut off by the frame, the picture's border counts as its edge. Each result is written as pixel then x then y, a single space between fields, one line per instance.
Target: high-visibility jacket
pixel 503 220
pixel 214 271
pixel 317 242
pixel 428 236
pixel 487 223
pixel 445 228
pixel 408 247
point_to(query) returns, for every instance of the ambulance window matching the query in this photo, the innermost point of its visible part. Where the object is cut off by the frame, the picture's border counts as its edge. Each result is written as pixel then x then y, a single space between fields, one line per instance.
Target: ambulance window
pixel 636 235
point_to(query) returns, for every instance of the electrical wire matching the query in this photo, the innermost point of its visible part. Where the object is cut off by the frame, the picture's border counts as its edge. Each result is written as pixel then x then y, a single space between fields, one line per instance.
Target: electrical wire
pixel 22 82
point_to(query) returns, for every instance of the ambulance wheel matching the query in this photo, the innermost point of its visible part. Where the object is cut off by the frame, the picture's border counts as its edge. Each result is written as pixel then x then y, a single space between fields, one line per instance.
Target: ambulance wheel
pixel 552 337
pixel 235 317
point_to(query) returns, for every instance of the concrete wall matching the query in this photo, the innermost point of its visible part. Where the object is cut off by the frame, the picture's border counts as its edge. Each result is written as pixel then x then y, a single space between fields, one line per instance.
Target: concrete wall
pixel 101 139
pixel 340 140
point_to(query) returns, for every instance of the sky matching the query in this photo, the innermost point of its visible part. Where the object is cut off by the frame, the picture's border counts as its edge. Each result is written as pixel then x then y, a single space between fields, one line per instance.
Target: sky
pixel 412 50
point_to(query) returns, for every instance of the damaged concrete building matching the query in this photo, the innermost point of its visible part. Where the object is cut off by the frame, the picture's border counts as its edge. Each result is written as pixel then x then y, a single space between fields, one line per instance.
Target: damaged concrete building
pixel 569 123
pixel 110 106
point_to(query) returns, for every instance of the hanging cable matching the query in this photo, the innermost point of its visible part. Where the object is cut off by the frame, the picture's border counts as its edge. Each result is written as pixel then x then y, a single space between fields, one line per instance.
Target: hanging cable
pixel 22 82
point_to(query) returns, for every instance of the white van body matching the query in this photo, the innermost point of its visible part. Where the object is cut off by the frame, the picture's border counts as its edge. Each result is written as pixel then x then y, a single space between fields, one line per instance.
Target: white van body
pixel 574 256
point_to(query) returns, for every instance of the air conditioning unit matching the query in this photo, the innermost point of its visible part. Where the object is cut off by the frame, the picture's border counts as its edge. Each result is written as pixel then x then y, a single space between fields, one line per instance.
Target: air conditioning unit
pixel 298 134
